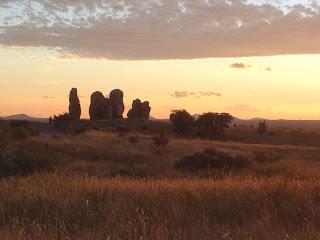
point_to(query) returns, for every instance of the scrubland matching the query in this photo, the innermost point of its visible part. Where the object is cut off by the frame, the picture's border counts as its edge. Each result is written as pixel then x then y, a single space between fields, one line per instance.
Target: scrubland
pixel 104 185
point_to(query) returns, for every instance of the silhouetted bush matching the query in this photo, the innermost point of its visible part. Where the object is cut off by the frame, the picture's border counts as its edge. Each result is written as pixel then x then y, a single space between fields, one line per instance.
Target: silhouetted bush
pixel 26 157
pixel 19 123
pixel 263 127
pixel 211 159
pixel 62 121
pixel 20 133
pixel 21 130
pixel 212 124
pixel 182 121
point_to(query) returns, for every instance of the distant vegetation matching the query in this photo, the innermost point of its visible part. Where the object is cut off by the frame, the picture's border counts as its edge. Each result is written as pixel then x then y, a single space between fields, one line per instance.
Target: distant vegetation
pixel 210 125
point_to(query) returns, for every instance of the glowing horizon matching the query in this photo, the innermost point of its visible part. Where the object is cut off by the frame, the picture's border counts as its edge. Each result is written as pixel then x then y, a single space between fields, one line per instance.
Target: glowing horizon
pixel 252 58
pixel 38 84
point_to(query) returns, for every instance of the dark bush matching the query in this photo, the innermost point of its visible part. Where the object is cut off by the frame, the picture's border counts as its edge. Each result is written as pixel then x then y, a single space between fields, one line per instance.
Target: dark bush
pixel 62 121
pixel 19 123
pixel 161 140
pixel 263 127
pixel 212 124
pixel 182 121
pixel 26 157
pixel 20 133
pixel 211 159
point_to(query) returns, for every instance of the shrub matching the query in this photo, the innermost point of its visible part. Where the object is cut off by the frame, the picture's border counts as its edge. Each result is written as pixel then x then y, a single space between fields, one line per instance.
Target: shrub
pixel 19 123
pixel 161 140
pixel 211 159
pixel 212 124
pixel 62 121
pixel 20 133
pixel 25 158
pixel 182 121
pixel 263 127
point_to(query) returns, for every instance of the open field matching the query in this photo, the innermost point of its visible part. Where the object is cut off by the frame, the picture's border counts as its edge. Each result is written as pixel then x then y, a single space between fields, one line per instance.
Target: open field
pixel 104 185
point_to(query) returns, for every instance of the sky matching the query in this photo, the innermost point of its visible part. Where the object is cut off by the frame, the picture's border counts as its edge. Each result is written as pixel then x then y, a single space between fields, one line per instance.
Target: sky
pixel 250 58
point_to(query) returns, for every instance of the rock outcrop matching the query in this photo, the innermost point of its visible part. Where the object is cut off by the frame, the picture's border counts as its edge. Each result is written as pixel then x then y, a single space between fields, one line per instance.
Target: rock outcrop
pixel 140 110
pixel 74 105
pixel 117 105
pixel 100 107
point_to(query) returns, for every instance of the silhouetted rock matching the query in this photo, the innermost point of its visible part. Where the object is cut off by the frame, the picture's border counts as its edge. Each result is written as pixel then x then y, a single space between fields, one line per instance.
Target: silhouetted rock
pixel 117 105
pixel 74 105
pixel 140 110
pixel 100 107
pixel 145 110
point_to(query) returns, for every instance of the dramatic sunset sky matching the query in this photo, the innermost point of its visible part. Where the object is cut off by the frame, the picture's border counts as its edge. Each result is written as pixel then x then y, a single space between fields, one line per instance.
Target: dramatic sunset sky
pixel 250 58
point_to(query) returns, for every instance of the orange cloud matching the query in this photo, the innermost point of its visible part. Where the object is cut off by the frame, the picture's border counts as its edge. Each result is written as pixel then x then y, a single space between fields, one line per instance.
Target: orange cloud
pixel 185 94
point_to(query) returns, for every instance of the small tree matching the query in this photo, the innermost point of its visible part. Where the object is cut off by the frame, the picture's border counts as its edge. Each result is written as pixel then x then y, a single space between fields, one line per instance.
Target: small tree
pixel 263 127
pixel 213 124
pixel 182 121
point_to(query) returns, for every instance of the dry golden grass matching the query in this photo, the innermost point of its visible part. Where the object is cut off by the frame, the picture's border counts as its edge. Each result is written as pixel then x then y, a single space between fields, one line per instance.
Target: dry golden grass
pixel 103 186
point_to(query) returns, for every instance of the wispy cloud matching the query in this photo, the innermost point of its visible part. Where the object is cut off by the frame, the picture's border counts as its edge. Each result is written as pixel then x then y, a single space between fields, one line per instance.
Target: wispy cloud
pixel 48 97
pixel 186 94
pixel 45 83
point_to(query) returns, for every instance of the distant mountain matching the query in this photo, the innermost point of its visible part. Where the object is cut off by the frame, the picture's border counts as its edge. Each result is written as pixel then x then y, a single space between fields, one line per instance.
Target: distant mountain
pixel 158 119
pixel 24 117
pixel 279 123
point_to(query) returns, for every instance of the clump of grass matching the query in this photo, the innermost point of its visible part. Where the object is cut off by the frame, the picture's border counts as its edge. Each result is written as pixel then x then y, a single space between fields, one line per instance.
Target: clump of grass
pixel 134 139
pixel 267 156
pixel 161 140
pixel 211 158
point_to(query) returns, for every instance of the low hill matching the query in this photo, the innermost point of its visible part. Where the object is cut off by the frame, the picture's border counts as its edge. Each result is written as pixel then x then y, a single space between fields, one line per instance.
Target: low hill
pixel 280 123
pixel 25 117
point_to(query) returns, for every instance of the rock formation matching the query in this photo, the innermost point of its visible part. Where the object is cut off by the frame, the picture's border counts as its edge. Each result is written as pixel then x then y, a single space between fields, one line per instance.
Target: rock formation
pixel 140 110
pixel 100 107
pixel 74 105
pixel 117 105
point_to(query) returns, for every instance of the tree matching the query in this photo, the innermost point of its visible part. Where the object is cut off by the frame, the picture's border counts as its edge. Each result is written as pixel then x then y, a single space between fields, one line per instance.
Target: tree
pixel 212 124
pixel 182 121
pixel 263 127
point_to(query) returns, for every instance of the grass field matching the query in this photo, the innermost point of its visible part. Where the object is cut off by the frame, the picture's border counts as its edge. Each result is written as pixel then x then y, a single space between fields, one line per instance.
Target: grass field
pixel 99 185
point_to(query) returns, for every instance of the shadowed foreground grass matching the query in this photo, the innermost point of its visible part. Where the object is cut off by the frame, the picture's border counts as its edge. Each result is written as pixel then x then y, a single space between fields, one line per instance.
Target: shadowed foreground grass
pixel 101 185
pixel 53 206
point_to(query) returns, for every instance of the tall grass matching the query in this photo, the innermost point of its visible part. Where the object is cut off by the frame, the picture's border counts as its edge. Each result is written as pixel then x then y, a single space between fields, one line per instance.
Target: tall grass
pixel 101 186
pixel 57 206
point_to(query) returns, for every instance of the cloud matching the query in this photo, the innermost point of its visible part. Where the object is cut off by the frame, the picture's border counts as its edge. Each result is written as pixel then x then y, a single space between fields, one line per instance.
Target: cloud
pixel 240 65
pixel 161 29
pixel 209 94
pixel 48 97
pixel 268 69
pixel 186 94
